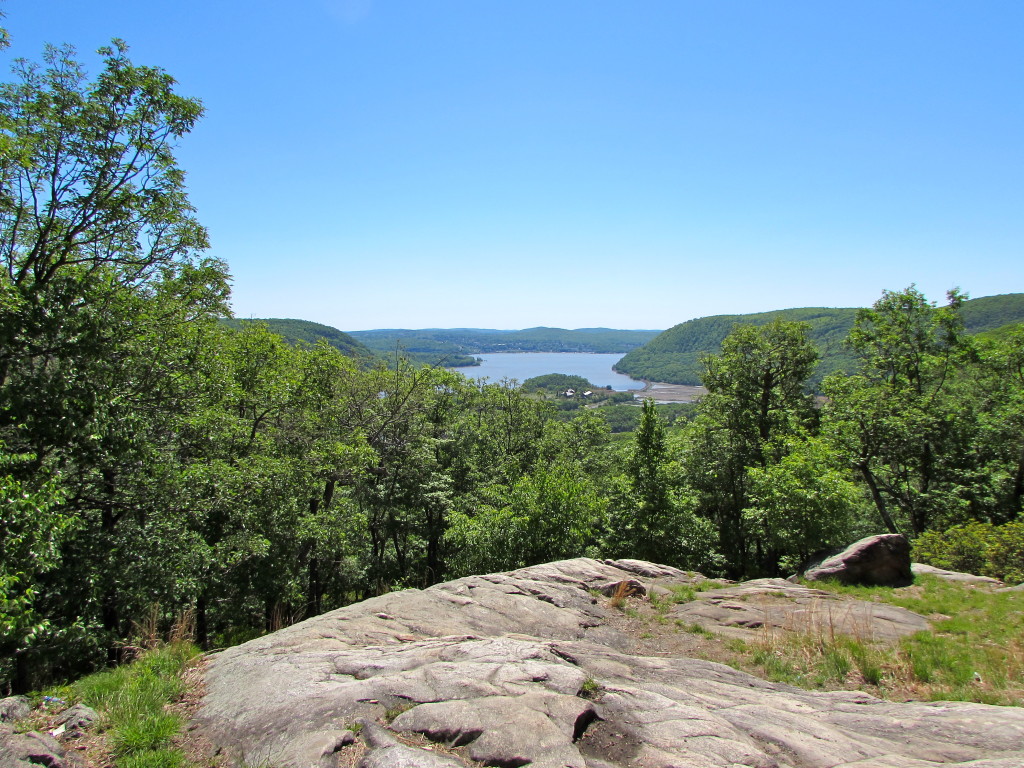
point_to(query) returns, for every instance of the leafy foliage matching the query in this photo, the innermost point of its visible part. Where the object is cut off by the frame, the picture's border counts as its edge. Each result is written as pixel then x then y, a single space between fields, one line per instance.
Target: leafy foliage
pixel 32 528
pixel 556 383
pixel 900 420
pixel 802 504
pixel 976 547
pixel 157 461
pixel 755 410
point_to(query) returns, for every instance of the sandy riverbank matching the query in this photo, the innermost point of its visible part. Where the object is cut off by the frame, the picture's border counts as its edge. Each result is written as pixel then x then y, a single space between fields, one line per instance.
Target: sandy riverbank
pixel 670 393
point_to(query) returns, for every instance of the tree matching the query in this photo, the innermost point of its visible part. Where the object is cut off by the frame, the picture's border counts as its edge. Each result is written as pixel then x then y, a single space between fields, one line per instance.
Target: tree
pixel 31 529
pixel 550 514
pixel 106 306
pixel 652 518
pixel 998 388
pixel 653 514
pixel 756 397
pixel 94 223
pixel 898 421
pixel 89 180
pixel 803 504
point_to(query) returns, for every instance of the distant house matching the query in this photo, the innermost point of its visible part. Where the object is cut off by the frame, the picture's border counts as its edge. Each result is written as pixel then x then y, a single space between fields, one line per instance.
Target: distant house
pixel 588 393
pixel 570 393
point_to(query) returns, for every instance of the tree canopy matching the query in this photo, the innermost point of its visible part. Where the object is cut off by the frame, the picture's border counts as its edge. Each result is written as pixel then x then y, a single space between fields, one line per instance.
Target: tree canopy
pixel 155 462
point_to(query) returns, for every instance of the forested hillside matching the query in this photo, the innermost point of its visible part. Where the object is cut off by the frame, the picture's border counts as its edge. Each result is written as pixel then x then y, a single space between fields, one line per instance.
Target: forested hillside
pixel 989 313
pixel 295 331
pixel 473 341
pixel 155 463
pixel 675 355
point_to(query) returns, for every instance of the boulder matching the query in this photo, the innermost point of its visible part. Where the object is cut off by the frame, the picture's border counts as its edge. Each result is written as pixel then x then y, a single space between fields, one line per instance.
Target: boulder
pixel 882 560
pixel 532 668
pixel 30 750
pixel 74 720
pixel 14 708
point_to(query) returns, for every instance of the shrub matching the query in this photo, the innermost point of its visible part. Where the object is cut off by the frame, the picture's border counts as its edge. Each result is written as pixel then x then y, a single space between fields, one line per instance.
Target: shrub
pixel 975 547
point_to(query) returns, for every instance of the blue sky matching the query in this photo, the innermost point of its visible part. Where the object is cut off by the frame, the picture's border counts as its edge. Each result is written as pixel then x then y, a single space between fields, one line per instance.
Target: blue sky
pixel 462 163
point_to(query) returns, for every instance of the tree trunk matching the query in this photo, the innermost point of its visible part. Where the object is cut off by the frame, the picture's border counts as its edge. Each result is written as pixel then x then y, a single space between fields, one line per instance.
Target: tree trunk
pixel 202 628
pixel 876 495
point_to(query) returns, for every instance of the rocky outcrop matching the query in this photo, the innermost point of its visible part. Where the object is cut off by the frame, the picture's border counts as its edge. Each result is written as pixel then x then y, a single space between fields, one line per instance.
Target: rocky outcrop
pixel 527 668
pixel 775 604
pixel 74 721
pixel 31 750
pixel 873 561
pixel 14 708
pixel 920 569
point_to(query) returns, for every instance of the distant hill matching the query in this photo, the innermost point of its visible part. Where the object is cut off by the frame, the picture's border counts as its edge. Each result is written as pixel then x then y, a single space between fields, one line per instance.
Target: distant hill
pixel 294 331
pixel 991 312
pixel 674 356
pixel 473 341
pixel 1001 333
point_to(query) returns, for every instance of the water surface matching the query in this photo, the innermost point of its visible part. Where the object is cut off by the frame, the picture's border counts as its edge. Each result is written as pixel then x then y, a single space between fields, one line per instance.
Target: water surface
pixel 597 369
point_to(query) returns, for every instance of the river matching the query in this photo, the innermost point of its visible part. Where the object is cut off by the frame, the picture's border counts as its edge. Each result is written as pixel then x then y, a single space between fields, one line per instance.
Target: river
pixel 597 369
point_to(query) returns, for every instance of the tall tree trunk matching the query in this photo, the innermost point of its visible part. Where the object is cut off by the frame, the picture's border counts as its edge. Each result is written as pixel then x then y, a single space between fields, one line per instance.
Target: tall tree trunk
pixel 876 495
pixel 202 628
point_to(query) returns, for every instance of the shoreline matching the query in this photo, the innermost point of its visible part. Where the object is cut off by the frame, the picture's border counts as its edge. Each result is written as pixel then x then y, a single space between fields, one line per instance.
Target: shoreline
pixel 662 393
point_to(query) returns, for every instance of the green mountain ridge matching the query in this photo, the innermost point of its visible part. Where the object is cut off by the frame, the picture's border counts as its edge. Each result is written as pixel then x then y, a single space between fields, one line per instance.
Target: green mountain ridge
pixel 675 355
pixel 473 341
pixel 671 356
pixel 294 331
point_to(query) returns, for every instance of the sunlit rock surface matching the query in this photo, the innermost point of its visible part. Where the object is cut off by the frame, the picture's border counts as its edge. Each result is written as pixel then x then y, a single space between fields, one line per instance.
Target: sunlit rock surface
pixel 524 668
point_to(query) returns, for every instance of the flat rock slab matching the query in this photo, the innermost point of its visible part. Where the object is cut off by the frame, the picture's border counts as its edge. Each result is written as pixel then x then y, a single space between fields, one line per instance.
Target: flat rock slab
pixel 522 668
pixel 767 605
pixel 920 569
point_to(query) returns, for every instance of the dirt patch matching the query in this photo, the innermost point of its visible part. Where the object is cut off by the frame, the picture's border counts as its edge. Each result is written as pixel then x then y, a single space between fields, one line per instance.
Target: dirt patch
pixel 198 750
pixel 609 742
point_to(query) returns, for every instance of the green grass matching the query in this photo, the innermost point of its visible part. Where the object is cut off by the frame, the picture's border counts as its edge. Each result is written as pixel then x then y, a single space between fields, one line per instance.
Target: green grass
pixel 392 712
pixel 694 628
pixel 591 689
pixel 132 700
pixel 975 651
pixel 681 593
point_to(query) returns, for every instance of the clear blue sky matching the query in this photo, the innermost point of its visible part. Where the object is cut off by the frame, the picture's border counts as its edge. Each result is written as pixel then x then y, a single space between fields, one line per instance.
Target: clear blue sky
pixel 462 163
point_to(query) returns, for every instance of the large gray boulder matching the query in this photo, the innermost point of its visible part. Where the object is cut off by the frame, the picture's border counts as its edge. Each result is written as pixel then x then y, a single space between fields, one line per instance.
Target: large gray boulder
pixel 527 669
pixel 882 560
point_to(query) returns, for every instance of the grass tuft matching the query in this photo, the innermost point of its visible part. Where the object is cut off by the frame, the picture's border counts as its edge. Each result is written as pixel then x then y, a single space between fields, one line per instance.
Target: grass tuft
pixel 394 711
pixel 591 689
pixel 132 701
pixel 618 598
pixel 975 651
